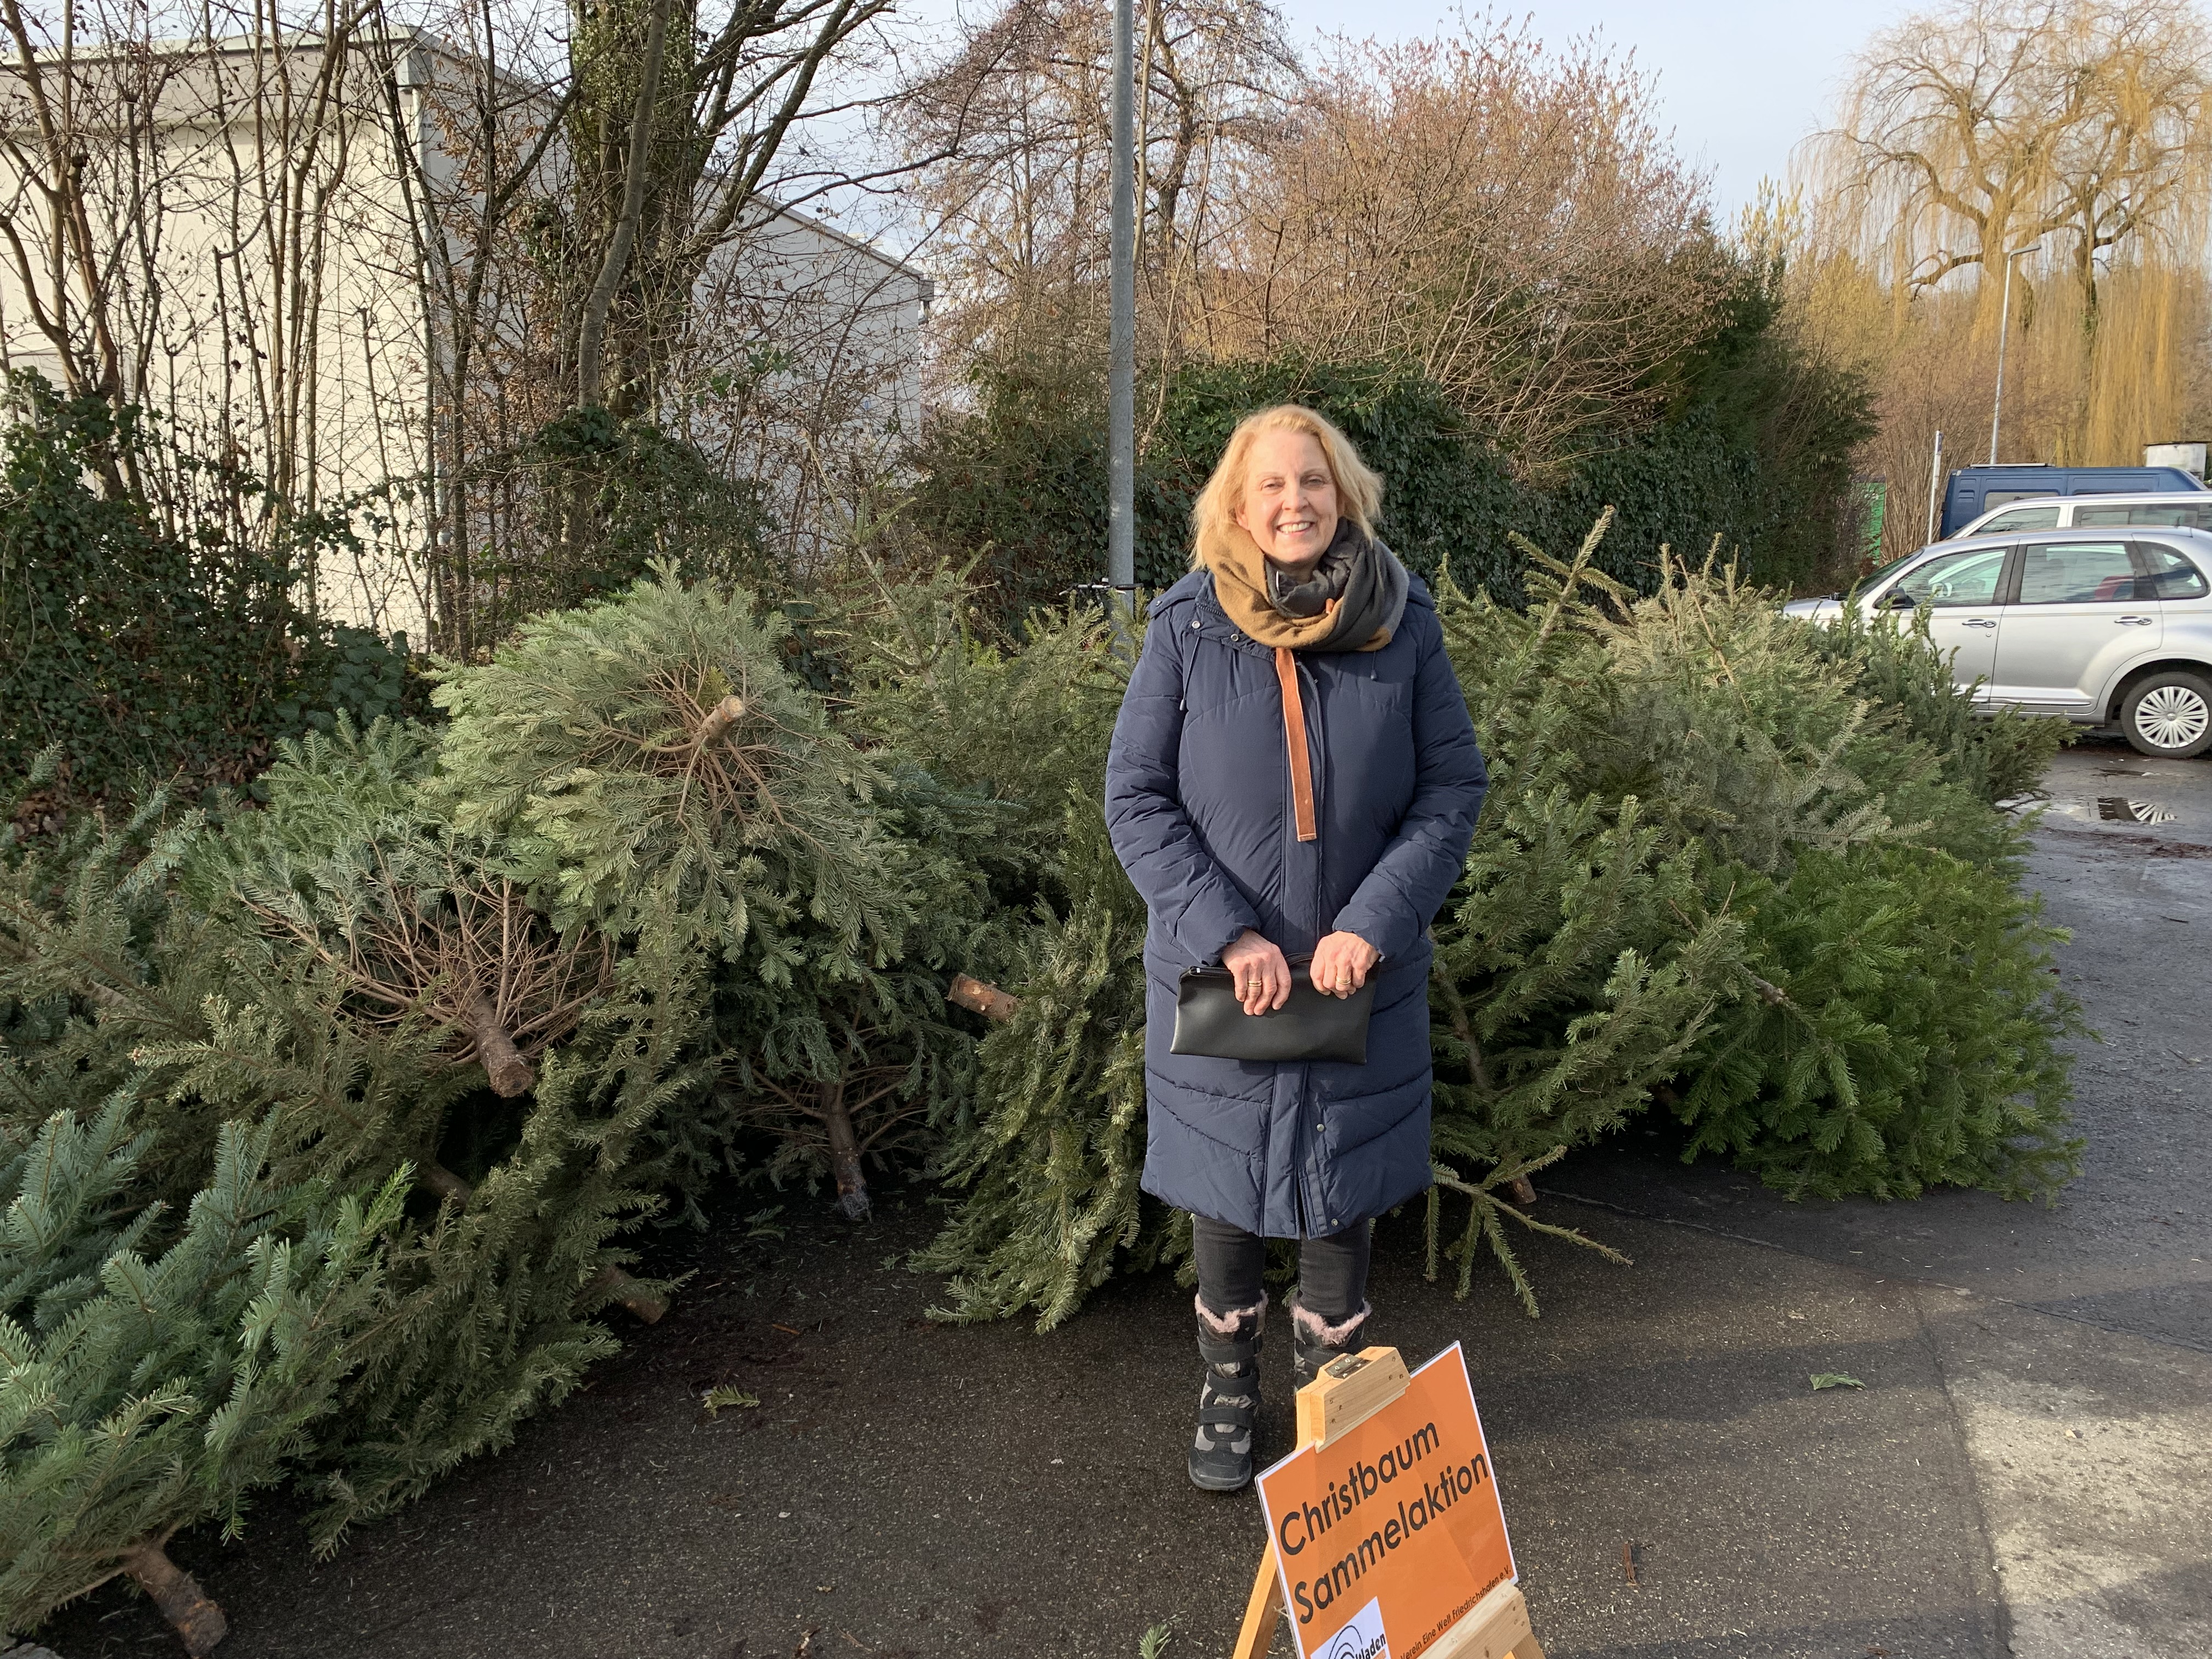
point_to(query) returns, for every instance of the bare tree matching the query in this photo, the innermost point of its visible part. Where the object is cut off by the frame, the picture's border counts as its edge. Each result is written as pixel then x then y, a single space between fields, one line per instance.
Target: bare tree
pixel 677 128
pixel 1971 131
pixel 167 213
pixel 2136 168
pixel 1511 220
pixel 1012 126
pixel 425 279
pixel 568 216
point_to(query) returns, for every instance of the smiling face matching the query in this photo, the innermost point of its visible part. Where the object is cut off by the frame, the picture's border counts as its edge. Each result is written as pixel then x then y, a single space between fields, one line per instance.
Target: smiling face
pixel 1288 504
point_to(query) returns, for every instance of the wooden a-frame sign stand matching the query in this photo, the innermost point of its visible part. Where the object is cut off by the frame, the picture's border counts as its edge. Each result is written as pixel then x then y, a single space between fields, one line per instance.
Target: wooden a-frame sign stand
pixel 1348 1392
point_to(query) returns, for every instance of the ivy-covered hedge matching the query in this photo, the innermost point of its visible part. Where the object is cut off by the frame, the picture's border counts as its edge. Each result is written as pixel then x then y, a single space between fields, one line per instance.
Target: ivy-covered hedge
pixel 130 650
pixel 1751 444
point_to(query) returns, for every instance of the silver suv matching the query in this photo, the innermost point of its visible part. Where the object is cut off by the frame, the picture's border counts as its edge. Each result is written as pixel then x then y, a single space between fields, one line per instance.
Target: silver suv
pixel 2099 626
pixel 2101 512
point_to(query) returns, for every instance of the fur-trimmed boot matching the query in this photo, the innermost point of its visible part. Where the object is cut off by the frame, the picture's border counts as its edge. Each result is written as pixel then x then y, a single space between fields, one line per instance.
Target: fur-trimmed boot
pixel 1229 1403
pixel 1313 1344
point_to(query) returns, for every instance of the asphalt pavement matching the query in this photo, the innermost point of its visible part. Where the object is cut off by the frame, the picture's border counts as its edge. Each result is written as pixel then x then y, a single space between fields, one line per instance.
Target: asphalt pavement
pixel 2075 1339
pixel 2026 1470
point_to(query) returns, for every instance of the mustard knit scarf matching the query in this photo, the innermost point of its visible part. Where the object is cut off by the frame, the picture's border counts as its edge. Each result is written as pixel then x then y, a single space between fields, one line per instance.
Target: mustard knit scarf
pixel 1362 618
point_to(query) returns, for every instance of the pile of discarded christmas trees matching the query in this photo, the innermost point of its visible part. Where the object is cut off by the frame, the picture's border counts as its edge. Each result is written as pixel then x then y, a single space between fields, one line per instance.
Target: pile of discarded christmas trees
pixel 293 1093
pixel 1754 874
pixel 323 1123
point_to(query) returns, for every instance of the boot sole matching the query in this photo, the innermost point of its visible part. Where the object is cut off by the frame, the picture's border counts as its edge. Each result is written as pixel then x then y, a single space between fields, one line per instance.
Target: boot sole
pixel 1220 1483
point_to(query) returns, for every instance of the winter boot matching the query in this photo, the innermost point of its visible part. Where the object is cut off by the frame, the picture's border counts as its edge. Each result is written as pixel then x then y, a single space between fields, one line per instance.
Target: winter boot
pixel 1313 1344
pixel 1229 1403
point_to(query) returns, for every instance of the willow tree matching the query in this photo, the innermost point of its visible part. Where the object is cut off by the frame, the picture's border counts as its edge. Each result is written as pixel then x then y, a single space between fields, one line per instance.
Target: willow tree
pixel 2074 127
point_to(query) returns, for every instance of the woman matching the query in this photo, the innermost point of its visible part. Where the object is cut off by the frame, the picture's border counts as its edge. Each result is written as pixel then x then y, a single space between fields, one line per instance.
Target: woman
pixel 1293 774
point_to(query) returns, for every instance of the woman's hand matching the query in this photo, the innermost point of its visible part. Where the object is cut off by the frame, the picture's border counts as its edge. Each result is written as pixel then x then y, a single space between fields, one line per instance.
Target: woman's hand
pixel 1340 963
pixel 1262 977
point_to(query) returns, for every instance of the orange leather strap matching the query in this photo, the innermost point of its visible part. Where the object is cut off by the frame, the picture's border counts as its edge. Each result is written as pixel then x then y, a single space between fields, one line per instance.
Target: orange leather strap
pixel 1294 734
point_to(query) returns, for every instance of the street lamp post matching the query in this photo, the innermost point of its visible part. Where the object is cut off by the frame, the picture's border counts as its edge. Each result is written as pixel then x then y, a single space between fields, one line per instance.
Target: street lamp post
pixel 1122 331
pixel 2004 327
pixel 1935 483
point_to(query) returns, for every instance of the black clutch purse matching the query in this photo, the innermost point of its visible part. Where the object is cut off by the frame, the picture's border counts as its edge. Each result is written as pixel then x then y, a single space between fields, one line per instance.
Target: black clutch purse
pixel 1209 1019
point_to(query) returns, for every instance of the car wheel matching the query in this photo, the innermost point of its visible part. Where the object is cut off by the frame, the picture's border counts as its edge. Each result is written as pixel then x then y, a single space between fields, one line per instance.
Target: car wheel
pixel 2169 714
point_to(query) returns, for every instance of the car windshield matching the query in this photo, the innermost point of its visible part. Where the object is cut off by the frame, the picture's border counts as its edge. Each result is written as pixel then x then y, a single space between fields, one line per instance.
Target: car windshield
pixel 1881 574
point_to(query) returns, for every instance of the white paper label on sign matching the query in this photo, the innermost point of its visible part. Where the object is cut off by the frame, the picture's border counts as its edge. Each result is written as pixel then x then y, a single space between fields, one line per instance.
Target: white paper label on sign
pixel 1362 1638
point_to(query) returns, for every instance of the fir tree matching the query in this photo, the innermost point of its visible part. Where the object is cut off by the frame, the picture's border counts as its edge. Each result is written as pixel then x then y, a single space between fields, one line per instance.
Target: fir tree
pixel 1995 756
pixel 395 1002
pixel 144 1394
pixel 96 962
pixel 649 762
pixel 404 924
pixel 70 1208
pixel 1909 1038
pixel 374 955
pixel 648 757
pixel 860 1055
pixel 1577 960
pixel 1046 1164
pixel 1049 1167
pixel 1666 772
pixel 519 1261
pixel 1023 722
pixel 219 982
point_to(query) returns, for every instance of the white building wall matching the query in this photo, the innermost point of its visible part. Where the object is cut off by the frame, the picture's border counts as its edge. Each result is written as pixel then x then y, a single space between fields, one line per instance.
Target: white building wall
pixel 265 295
pixel 825 334
pixel 302 345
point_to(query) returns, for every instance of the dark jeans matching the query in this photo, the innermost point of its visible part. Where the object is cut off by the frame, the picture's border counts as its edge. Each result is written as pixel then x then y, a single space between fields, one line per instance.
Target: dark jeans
pixel 1332 1271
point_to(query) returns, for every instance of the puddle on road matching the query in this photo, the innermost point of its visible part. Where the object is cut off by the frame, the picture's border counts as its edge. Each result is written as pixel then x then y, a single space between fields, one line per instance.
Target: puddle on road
pixel 2113 809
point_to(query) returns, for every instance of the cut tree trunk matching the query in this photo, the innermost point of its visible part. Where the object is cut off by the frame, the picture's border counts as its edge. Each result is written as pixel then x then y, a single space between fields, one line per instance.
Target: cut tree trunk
pixel 719 719
pixel 199 1623
pixel 445 1183
pixel 649 1305
pixel 844 1154
pixel 510 1073
pixel 985 998
pixel 1524 1190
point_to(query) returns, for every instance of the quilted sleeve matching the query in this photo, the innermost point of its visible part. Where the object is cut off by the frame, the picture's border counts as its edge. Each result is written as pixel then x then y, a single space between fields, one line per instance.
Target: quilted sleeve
pixel 1197 908
pixel 1409 883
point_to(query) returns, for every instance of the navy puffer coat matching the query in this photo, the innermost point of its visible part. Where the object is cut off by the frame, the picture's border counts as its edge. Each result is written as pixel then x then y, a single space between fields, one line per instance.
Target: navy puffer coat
pixel 1198 799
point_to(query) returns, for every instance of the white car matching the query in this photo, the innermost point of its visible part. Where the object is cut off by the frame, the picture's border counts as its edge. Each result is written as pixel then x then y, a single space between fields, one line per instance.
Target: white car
pixel 2102 628
pixel 2100 512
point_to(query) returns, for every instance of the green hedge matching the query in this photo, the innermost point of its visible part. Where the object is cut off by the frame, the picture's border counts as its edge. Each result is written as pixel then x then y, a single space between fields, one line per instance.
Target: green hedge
pixel 129 650
pixel 1751 442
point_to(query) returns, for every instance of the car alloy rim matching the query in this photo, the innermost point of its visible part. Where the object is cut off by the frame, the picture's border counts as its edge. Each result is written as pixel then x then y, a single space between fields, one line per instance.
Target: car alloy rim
pixel 2173 717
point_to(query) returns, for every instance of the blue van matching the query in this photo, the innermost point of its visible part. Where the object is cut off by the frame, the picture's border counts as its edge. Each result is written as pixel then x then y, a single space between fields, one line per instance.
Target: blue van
pixel 1974 490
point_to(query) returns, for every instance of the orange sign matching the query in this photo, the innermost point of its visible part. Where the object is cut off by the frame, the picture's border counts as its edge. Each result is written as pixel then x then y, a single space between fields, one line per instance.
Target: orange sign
pixel 1391 1533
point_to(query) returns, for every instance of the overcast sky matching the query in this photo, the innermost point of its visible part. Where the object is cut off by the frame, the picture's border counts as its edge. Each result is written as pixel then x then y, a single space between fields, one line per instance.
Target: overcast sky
pixel 1740 81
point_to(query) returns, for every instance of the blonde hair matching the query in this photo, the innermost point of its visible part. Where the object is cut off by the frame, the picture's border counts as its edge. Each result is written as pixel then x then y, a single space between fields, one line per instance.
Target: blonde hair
pixel 1358 490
